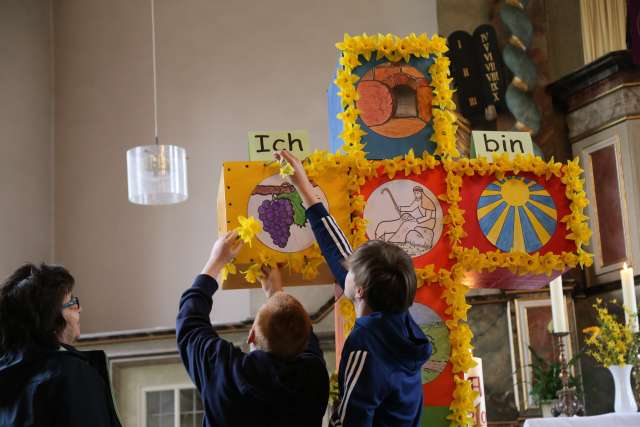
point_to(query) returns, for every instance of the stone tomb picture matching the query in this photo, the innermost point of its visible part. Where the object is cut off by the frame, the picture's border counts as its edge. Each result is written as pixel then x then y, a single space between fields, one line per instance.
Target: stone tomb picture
pixel 279 207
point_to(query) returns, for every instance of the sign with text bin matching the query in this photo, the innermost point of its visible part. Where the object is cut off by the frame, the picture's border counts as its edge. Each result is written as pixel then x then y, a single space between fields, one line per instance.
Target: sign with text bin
pixel 262 145
pixel 488 143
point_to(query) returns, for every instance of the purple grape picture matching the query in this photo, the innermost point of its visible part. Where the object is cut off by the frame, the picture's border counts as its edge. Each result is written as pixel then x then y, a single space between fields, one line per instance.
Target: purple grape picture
pixel 277 216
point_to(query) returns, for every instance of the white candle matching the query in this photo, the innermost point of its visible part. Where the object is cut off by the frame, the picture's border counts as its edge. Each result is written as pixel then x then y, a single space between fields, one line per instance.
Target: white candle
pixel 629 296
pixel 558 307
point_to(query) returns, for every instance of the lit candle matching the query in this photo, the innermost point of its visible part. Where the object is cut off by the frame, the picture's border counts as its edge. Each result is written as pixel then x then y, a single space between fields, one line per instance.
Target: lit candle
pixel 629 296
pixel 558 308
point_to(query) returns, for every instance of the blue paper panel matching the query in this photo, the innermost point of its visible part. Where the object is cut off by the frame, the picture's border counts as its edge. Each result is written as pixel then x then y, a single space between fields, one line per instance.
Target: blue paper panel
pixel 335 124
pixel 378 146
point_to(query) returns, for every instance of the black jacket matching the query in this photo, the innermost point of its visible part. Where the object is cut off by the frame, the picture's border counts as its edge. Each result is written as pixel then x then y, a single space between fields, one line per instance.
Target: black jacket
pixel 47 387
pixel 247 389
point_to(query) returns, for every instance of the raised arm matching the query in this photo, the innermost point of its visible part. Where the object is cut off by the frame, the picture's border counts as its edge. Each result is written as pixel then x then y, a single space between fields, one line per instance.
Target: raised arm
pixel 199 344
pixel 332 241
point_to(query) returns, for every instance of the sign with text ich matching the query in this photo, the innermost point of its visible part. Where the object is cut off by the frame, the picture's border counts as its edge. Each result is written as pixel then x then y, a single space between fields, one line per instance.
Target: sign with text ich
pixel 263 144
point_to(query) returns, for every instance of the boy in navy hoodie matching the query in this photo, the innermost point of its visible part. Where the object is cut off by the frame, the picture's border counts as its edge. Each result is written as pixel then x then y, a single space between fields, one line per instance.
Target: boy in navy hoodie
pixel 284 382
pixel 380 368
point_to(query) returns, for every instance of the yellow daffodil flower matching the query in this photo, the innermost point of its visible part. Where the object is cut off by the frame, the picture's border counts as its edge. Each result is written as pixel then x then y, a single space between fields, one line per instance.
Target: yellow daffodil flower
pixel 286 170
pixel 345 79
pixel 347 44
pixel 253 273
pixel 349 61
pixel 386 45
pixel 349 115
pixel 390 167
pixel 295 262
pixel 248 228
pixel 228 269
pixel 310 267
pixel 411 164
pixel 357 204
pixel 348 96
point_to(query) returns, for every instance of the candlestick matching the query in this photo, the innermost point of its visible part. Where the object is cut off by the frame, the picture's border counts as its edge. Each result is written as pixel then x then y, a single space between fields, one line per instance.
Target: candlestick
pixel 629 297
pixel 558 307
pixel 568 403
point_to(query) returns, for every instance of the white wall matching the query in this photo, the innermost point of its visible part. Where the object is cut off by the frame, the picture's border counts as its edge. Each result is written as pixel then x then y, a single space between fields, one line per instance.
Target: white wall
pixel 224 68
pixel 26 192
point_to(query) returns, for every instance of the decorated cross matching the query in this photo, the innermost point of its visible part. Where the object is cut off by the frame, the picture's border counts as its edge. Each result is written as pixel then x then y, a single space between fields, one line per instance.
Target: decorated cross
pixel 394 174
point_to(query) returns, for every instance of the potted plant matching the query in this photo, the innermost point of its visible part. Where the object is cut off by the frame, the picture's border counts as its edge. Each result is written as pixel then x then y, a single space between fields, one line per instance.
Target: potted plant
pixel 614 346
pixel 546 381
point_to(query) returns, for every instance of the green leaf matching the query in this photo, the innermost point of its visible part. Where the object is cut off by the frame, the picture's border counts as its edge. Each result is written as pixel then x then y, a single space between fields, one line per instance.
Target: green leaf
pixel 299 216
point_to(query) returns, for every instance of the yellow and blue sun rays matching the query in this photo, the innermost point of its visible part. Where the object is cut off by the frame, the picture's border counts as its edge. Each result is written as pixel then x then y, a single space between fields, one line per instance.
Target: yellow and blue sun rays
pixel 517 214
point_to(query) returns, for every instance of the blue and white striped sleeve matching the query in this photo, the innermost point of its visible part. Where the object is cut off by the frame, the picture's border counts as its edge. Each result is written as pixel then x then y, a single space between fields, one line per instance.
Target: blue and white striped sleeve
pixel 363 387
pixel 332 241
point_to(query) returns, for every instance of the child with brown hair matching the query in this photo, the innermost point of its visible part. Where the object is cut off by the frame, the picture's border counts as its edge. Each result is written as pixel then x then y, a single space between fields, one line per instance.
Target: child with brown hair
pixel 284 382
pixel 380 369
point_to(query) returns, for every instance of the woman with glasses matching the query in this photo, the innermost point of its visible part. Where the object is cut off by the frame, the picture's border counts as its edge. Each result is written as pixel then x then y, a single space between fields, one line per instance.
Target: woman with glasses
pixel 44 381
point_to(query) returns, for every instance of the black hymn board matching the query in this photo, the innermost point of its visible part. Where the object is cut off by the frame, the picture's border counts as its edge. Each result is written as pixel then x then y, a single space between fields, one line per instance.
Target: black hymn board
pixel 491 67
pixel 465 71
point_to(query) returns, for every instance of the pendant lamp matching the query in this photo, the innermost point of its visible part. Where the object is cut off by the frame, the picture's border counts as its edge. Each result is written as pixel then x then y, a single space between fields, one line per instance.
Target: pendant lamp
pixel 156 173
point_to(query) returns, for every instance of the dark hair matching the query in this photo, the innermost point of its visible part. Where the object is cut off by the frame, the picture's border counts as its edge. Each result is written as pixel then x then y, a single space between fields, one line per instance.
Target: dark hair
pixel 31 306
pixel 386 274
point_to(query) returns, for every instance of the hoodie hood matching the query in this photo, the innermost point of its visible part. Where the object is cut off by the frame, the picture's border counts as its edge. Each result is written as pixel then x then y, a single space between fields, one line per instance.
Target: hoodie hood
pixel 16 361
pixel 397 338
pixel 20 368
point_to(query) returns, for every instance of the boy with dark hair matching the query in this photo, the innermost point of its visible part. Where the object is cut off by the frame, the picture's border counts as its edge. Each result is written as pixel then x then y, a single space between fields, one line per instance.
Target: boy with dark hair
pixel 380 368
pixel 284 382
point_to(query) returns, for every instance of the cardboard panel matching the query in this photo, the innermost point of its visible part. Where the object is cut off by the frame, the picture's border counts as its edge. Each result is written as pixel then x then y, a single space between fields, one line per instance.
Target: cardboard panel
pixel 380 194
pixel 255 189
pixel 395 99
pixel 471 192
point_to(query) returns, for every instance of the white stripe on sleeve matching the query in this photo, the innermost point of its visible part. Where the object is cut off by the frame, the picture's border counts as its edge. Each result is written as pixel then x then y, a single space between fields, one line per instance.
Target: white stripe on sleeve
pixel 340 234
pixel 360 366
pixel 335 238
pixel 348 372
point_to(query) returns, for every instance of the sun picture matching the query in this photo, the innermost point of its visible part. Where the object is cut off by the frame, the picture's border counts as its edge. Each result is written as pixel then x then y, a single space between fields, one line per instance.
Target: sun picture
pixel 517 214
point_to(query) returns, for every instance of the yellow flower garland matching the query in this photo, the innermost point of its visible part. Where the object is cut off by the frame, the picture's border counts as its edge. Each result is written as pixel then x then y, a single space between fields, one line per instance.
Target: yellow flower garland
pixel 396 49
pixel 519 262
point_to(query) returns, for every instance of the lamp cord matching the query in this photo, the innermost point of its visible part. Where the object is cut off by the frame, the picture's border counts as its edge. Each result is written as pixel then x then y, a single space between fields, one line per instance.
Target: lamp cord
pixel 155 78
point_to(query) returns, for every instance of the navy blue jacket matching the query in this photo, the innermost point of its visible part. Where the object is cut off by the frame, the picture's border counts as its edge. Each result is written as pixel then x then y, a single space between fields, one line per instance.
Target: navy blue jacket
pixel 55 387
pixel 247 389
pixel 380 367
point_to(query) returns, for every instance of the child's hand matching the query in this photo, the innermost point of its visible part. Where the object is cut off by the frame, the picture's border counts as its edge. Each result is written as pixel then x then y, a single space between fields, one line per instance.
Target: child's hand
pixel 223 252
pixel 271 280
pixel 299 179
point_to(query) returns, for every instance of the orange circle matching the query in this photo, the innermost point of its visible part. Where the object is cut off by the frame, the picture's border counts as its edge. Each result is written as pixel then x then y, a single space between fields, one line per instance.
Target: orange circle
pixel 394 100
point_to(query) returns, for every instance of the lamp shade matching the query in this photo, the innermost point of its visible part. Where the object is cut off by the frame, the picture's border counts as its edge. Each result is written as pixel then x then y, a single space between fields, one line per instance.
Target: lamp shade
pixel 157 174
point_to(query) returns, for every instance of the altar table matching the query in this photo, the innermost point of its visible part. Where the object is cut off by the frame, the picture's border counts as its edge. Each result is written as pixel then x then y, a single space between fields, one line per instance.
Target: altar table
pixel 606 420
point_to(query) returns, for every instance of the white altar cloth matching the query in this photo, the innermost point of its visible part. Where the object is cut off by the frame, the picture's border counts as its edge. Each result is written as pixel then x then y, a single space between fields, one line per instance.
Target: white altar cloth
pixel 606 420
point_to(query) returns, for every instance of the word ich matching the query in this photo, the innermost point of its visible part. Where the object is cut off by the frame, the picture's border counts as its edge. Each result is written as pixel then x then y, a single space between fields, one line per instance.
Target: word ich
pixel 263 144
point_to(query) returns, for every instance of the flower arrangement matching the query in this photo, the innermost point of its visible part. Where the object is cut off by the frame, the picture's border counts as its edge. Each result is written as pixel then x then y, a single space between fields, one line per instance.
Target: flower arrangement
pixel 611 342
pixel 351 161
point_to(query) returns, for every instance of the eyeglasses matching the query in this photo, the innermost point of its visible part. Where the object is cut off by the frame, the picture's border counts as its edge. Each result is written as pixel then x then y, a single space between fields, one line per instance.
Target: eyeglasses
pixel 73 301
